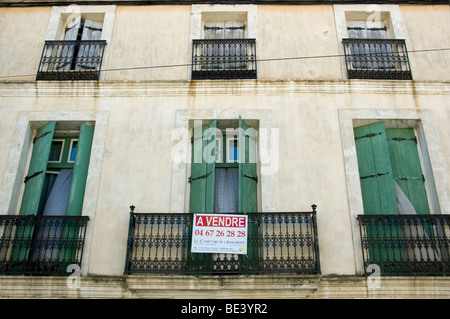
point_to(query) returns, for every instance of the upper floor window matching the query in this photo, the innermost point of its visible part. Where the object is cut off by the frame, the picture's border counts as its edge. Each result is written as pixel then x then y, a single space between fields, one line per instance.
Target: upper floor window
pixel 224 47
pixel 372 46
pixel 76 49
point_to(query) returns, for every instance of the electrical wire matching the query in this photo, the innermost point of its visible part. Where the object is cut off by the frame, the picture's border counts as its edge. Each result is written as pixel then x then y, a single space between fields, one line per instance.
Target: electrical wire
pixel 257 61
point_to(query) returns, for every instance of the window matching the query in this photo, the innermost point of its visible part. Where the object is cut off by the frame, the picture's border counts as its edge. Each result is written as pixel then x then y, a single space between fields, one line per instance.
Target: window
pixel 223 42
pixel 75 48
pixel 219 186
pixel 373 42
pixel 56 178
pixel 388 162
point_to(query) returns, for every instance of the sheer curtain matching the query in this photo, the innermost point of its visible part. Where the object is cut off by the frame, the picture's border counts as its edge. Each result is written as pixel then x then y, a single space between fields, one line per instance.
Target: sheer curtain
pixel 226 190
pixel 56 204
pixel 226 200
pixel 46 247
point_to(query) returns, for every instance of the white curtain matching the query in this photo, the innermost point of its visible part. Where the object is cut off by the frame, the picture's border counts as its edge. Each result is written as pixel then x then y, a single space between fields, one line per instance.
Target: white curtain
pixel 46 248
pixel 226 190
pixel 56 204
pixel 405 207
pixel 226 197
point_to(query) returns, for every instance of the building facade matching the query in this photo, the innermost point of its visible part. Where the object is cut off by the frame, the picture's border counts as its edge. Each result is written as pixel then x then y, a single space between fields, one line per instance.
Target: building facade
pixel 326 123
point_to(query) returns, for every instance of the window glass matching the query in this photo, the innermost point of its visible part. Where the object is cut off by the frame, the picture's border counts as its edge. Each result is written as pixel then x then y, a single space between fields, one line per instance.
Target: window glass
pixel 56 151
pixel 233 150
pixel 73 150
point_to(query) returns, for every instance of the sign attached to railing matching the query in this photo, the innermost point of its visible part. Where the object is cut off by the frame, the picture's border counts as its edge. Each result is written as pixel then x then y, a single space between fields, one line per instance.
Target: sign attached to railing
pixel 219 233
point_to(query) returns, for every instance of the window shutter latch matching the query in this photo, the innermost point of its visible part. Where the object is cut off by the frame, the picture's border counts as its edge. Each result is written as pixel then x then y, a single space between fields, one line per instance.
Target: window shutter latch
pixel 255 178
pixel 41 136
pixel 191 179
pixel 374 175
pixel 27 178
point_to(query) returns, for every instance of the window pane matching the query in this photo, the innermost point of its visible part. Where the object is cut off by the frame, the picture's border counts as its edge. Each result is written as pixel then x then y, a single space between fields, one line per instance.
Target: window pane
pixel 55 151
pixel 73 151
pixel 233 150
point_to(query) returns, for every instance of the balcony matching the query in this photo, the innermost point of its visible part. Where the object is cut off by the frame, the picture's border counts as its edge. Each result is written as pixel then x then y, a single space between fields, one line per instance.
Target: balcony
pixel 71 60
pixel 377 59
pixel 41 245
pixel 224 59
pixel 406 244
pixel 282 243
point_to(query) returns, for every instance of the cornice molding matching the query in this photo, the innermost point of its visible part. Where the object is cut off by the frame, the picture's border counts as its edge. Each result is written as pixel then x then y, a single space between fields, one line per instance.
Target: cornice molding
pixel 207 88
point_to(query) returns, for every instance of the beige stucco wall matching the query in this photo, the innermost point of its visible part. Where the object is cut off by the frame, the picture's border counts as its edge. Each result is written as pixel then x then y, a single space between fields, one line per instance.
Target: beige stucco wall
pixel 424 27
pixel 305 35
pixel 22 34
pixel 150 36
pixel 132 163
pixel 154 42
pixel 137 110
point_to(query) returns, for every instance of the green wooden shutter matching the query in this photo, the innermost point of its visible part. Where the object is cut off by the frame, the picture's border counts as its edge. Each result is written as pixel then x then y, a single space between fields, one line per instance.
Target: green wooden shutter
pixel 202 185
pixel 378 192
pixel 34 182
pixel 406 167
pixel 36 172
pixel 68 251
pixel 203 169
pixel 80 170
pixel 248 180
pixel 375 170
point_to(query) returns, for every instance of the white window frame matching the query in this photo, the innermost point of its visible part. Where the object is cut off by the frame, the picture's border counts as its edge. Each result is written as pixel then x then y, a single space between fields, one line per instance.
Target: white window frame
pixel 70 150
pixel 62 150
pixel 229 139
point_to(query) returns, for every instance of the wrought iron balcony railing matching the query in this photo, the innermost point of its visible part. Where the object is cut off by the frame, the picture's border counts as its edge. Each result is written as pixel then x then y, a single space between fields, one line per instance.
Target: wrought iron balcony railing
pixel 406 244
pixel 377 59
pixel 283 243
pixel 224 59
pixel 41 245
pixel 71 60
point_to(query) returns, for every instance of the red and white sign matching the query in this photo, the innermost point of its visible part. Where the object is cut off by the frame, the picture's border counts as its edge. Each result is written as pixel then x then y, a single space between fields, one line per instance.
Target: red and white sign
pixel 219 233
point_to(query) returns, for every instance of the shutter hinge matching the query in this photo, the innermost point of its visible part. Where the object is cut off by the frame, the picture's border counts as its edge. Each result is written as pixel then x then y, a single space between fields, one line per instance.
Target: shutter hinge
pixel 41 136
pixel 405 178
pixel 191 179
pixel 27 178
pixel 399 139
pixel 368 135
pixel 374 175
pixel 255 178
